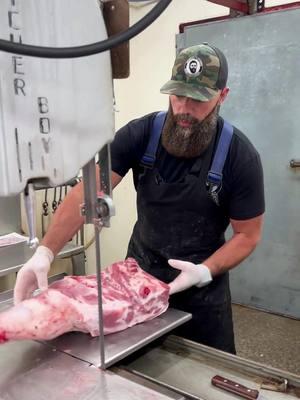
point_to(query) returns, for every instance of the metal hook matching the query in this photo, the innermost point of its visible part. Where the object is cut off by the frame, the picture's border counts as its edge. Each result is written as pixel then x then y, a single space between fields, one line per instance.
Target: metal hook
pixel 45 204
pixel 54 202
pixel 60 195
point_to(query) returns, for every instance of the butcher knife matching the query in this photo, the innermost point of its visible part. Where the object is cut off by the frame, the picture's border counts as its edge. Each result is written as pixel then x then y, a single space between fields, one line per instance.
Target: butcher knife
pixel 236 388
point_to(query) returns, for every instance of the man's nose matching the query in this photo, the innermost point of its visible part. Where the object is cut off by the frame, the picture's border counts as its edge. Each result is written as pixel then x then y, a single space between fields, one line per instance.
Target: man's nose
pixel 184 104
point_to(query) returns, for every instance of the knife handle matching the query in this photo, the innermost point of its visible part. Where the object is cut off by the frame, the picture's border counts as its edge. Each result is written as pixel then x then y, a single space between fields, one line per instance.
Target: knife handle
pixel 234 387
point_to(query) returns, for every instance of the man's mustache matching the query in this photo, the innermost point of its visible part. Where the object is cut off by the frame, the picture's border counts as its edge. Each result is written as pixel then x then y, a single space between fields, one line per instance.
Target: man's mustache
pixel 186 117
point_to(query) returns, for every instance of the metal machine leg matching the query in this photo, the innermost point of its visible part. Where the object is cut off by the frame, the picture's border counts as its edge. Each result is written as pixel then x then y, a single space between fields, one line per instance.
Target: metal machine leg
pixel 78 264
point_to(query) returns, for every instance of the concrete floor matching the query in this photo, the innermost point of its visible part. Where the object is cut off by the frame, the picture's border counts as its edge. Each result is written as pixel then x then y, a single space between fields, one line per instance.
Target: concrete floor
pixel 267 338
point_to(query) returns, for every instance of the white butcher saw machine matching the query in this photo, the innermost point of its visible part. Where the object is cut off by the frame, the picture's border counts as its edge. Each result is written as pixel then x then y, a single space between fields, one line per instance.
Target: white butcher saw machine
pixel 57 104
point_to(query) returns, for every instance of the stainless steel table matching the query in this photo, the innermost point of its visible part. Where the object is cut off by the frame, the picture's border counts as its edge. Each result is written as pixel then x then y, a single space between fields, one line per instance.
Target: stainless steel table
pixel 33 371
pixel 188 367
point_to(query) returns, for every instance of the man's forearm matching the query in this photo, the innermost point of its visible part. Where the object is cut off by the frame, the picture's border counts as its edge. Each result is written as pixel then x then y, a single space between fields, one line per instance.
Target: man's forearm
pixel 246 236
pixel 232 253
pixel 66 221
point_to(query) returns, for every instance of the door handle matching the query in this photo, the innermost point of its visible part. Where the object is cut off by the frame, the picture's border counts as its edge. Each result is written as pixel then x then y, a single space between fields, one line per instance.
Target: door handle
pixel 295 163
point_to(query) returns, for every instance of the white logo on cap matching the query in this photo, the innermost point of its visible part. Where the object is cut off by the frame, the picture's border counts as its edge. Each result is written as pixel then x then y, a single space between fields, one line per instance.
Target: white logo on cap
pixel 193 67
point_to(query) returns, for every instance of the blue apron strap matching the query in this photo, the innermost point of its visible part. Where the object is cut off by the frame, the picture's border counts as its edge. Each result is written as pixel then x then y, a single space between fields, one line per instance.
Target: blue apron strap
pixel 149 157
pixel 214 176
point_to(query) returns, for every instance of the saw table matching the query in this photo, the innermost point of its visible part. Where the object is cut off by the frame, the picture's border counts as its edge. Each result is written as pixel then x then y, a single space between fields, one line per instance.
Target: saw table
pixel 139 367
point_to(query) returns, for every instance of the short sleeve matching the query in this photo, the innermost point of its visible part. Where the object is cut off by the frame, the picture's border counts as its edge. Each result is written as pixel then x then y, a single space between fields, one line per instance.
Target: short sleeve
pixel 120 152
pixel 129 145
pixel 247 198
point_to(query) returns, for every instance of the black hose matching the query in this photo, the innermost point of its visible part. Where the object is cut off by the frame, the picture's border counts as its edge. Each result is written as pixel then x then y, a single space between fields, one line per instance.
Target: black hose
pixel 89 49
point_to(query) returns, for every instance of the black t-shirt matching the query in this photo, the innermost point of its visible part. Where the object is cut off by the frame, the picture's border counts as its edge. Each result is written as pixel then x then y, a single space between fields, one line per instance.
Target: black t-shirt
pixel 242 193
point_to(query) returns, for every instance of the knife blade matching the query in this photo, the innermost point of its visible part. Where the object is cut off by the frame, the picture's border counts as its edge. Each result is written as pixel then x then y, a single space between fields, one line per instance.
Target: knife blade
pixel 236 388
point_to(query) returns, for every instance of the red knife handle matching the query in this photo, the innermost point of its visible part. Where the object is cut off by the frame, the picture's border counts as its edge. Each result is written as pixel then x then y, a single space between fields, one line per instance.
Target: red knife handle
pixel 234 387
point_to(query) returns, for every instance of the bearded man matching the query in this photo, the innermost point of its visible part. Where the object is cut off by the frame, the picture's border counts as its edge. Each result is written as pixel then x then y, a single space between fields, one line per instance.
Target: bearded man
pixel 194 176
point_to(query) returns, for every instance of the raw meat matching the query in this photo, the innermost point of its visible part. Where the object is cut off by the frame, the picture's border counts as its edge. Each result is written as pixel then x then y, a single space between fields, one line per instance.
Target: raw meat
pixel 130 296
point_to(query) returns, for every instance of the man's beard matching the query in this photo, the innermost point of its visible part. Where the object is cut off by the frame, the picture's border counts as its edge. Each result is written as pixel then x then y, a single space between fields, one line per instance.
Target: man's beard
pixel 191 141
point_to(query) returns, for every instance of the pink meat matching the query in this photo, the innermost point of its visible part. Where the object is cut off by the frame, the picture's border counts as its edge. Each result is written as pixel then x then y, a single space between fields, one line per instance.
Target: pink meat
pixel 129 296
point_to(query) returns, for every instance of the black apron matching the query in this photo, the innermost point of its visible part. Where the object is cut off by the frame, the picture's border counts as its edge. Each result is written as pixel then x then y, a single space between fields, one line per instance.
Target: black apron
pixel 180 221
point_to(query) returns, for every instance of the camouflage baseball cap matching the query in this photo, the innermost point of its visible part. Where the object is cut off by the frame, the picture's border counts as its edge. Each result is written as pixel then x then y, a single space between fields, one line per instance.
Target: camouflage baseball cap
pixel 198 72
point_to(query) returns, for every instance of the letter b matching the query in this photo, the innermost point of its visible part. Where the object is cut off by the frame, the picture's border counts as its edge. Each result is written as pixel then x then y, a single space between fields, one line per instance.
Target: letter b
pixel 43 105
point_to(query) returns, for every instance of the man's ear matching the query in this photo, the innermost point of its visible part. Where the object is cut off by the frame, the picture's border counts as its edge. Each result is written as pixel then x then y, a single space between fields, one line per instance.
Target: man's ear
pixel 223 95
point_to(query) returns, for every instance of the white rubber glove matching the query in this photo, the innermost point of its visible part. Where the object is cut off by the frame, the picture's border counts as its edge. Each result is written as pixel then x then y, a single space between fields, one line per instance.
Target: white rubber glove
pixel 33 274
pixel 191 275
